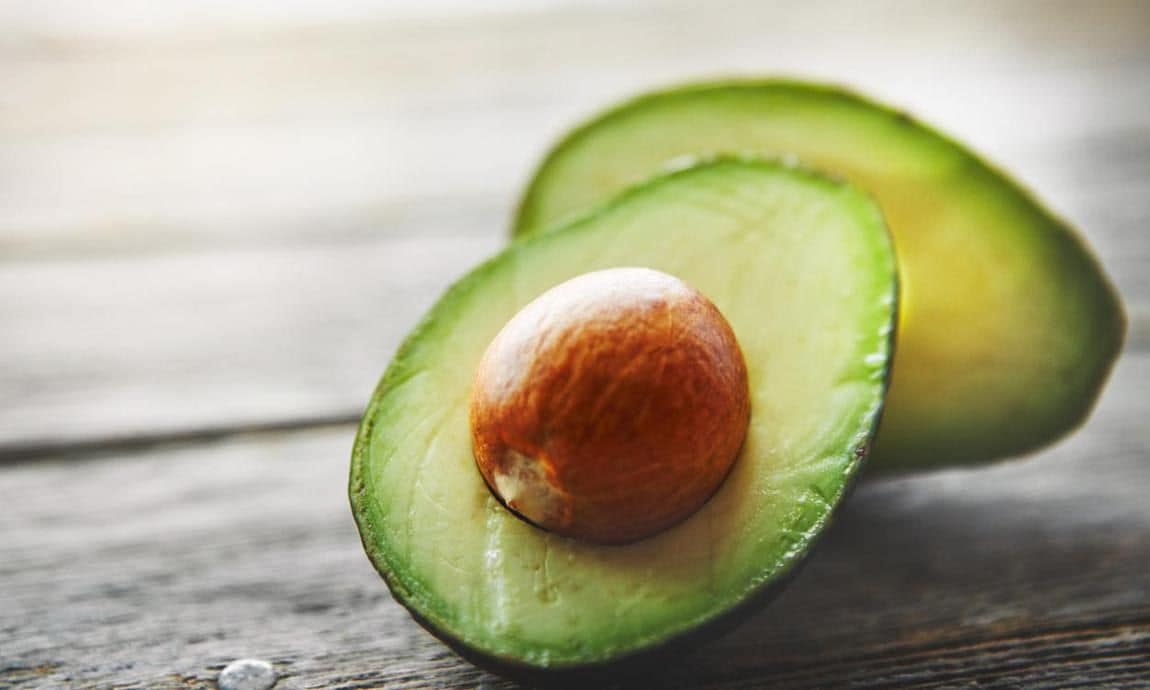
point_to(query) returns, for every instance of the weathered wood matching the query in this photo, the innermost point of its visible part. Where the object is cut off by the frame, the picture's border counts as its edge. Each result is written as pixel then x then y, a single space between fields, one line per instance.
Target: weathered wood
pixel 155 569
pixel 164 134
pixel 196 342
pixel 125 349
pixel 231 223
pixel 216 223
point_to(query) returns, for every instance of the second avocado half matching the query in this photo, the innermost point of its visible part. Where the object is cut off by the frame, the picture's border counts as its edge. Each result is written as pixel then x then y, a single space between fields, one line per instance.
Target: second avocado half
pixel 1008 325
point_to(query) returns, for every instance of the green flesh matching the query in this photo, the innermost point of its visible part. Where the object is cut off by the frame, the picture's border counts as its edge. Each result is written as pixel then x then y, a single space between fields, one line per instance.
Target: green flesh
pixel 1008 326
pixel 802 268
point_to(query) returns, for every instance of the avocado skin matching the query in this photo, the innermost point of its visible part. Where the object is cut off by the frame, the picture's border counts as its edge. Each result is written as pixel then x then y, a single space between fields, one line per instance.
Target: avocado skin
pixel 642 661
pixel 903 446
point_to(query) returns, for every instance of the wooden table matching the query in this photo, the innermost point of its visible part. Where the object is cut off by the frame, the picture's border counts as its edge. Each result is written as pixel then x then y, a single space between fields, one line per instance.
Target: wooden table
pixel 216 222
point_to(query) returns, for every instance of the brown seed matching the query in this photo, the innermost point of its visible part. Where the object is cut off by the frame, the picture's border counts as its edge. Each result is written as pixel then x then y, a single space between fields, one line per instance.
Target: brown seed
pixel 611 407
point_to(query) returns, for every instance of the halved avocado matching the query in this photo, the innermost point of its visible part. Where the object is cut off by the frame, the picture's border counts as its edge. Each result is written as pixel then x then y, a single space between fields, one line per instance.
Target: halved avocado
pixel 1008 325
pixel 803 270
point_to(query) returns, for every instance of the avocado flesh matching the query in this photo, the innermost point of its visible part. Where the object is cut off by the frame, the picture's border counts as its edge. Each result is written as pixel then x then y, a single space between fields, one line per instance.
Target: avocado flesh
pixel 803 270
pixel 1008 325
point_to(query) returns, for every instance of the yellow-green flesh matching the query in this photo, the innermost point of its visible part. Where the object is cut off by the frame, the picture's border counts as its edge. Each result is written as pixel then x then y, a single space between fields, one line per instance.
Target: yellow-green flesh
pixel 803 270
pixel 1008 326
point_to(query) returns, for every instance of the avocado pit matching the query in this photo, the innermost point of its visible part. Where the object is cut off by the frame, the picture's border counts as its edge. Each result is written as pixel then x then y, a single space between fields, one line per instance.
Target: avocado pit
pixel 611 407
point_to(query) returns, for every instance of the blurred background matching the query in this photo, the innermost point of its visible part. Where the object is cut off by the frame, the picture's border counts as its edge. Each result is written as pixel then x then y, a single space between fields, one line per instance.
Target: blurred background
pixel 218 219
pixel 219 214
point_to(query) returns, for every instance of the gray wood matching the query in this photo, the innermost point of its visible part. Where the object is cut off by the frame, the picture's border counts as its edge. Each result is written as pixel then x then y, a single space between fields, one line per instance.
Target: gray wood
pixel 211 226
pixel 157 568
pixel 198 341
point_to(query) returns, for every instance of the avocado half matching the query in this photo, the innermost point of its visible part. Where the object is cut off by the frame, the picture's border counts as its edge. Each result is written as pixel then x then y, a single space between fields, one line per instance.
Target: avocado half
pixel 802 268
pixel 1008 325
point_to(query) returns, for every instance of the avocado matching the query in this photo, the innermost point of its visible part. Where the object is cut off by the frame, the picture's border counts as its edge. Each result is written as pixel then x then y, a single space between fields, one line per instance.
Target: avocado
pixel 802 269
pixel 1008 326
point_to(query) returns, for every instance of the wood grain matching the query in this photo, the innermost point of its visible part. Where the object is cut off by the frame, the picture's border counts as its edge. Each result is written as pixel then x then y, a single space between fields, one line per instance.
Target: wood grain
pixel 155 569
pixel 201 341
pixel 217 220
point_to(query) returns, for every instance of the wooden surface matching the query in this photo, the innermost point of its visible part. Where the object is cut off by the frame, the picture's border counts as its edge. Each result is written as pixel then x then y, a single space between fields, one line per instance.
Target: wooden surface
pixel 216 223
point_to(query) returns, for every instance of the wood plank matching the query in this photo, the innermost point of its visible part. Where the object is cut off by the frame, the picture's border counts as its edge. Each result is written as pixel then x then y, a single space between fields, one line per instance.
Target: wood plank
pixel 103 349
pixel 207 341
pixel 126 348
pixel 155 569
pixel 230 221
pixel 217 130
pixel 192 335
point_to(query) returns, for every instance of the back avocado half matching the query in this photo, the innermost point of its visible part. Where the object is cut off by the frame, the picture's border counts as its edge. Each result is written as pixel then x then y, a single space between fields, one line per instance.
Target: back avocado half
pixel 803 270
pixel 1008 325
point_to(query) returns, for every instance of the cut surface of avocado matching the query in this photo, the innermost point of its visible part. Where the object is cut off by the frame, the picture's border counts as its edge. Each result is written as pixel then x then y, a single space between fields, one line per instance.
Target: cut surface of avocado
pixel 1008 325
pixel 803 270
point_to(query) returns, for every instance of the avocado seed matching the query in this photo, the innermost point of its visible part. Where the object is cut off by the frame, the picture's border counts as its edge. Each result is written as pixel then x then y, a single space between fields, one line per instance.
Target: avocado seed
pixel 611 407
